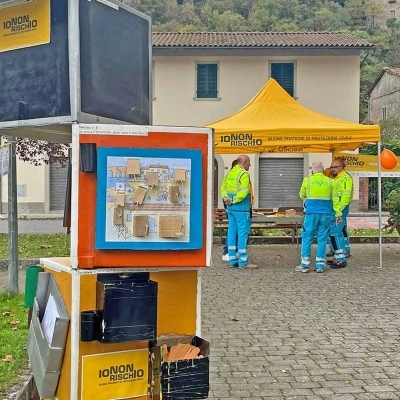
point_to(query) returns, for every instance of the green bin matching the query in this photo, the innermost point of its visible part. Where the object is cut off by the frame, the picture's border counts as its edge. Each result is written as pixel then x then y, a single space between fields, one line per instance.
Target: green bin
pixel 31 280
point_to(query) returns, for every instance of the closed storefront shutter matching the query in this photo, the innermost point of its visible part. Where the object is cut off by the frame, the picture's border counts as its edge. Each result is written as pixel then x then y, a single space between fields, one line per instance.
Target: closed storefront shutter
pixel 58 185
pixel 279 182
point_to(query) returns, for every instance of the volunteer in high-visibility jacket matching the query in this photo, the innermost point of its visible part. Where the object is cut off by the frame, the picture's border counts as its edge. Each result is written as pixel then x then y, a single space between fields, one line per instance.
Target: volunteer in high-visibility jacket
pixel 316 191
pixel 342 195
pixel 236 193
pixel 331 252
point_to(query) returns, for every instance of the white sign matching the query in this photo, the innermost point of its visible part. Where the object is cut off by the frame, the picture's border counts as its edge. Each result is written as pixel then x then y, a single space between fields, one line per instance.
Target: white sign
pixel 133 130
pixel 49 319
pixel 4 159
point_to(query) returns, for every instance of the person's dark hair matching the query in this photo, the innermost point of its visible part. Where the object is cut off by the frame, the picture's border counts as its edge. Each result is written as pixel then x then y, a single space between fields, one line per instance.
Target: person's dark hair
pixel 234 162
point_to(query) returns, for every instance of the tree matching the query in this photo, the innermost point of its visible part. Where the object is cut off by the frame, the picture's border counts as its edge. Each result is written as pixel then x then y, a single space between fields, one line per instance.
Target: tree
pixel 38 152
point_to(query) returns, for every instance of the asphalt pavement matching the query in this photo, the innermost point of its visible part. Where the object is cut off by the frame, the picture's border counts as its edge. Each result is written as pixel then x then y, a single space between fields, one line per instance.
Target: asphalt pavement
pixel 41 226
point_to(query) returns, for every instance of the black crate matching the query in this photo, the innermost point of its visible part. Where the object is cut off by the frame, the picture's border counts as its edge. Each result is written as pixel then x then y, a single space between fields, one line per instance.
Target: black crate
pixel 183 379
pixel 126 309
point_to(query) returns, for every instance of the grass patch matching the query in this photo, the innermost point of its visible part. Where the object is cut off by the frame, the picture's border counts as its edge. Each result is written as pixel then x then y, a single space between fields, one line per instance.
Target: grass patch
pixel 370 232
pixel 36 246
pixel 13 334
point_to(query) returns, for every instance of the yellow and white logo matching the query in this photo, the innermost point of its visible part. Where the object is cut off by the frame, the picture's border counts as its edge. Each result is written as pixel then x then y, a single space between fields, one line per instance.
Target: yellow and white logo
pixel 24 24
pixel 118 375
pixel 365 166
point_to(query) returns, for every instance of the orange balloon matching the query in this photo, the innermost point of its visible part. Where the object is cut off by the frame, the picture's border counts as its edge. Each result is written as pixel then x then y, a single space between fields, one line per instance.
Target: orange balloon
pixel 388 159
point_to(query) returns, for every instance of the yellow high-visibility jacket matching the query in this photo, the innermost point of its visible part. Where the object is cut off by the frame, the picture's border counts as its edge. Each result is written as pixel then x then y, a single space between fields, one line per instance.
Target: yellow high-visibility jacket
pixel 316 190
pixel 342 192
pixel 236 185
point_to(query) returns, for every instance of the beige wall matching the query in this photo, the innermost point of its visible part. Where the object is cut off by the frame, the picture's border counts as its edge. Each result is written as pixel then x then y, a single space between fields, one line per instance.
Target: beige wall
pixel 33 178
pixel 329 85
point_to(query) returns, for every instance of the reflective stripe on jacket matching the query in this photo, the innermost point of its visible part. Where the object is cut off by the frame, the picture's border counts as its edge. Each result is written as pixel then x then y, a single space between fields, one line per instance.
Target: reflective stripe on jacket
pixel 316 190
pixel 342 192
pixel 236 185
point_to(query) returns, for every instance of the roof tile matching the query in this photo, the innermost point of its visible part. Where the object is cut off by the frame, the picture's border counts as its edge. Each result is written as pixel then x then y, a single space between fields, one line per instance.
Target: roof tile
pixel 257 39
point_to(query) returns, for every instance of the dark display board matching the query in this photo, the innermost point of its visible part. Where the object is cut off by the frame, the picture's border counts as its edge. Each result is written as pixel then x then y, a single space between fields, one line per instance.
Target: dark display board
pixel 115 63
pixel 34 81
pixel 114 67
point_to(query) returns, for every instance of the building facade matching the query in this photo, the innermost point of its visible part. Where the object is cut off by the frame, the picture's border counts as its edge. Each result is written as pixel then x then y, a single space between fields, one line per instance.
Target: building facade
pixel 199 78
pixel 384 96
pixel 390 10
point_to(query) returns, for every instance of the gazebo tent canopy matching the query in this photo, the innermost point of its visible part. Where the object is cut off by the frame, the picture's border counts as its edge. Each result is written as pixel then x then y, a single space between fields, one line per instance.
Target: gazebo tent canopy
pixel 274 122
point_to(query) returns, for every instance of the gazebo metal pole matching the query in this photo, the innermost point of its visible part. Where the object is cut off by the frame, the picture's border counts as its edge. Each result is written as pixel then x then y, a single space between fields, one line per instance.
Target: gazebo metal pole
pixel 379 205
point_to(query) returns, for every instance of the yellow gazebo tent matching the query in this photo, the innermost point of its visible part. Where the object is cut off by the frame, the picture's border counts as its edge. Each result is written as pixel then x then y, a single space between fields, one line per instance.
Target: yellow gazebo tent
pixel 274 122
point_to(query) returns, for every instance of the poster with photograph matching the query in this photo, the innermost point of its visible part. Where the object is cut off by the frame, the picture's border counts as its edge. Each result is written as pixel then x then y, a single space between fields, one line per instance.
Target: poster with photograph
pixel 149 199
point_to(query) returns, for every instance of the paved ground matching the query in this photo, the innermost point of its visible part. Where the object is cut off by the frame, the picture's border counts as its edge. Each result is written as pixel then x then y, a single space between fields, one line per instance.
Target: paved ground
pixel 280 334
pixel 304 336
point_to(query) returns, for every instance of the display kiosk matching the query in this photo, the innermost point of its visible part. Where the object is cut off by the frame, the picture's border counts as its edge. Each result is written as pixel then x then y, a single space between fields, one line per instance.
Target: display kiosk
pixel 120 317
pixel 141 229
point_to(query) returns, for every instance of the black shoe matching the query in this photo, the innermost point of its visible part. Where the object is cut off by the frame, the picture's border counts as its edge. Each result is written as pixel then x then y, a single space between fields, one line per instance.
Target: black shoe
pixel 337 264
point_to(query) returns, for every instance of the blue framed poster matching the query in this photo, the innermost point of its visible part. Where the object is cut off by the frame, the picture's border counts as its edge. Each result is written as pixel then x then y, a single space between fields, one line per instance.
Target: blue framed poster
pixel 149 199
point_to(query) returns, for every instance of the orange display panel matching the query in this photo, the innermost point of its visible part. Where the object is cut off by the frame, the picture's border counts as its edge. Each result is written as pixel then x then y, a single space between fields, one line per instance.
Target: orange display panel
pixel 88 251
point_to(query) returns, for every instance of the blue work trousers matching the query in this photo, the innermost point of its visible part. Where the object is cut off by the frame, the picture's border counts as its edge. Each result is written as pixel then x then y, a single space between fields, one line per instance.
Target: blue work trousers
pixel 345 232
pixel 314 225
pixel 337 239
pixel 238 233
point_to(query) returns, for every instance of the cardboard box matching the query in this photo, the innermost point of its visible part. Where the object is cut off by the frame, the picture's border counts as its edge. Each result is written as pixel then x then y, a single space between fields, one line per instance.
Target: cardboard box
pixel 290 213
pixel 173 193
pixel 180 174
pixel 140 225
pixel 140 194
pixel 46 357
pixel 184 379
pixel 118 215
pixel 120 199
pixel 171 226
pixel 126 308
pixel 152 178
pixel 133 166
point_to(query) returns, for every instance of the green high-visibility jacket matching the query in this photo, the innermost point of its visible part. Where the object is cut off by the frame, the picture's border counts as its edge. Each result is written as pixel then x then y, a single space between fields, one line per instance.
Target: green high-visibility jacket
pixel 342 192
pixel 236 185
pixel 316 190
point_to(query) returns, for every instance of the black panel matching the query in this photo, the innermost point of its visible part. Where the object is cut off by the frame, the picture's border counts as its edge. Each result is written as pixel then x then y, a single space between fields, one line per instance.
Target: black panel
pixel 114 63
pixel 126 310
pixel 34 82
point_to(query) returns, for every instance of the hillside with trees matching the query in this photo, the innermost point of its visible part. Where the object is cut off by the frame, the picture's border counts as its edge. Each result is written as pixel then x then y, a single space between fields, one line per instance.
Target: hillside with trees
pixel 362 18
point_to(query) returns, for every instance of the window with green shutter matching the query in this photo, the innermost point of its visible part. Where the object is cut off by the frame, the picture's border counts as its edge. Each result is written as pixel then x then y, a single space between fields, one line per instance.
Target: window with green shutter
pixel 283 73
pixel 207 85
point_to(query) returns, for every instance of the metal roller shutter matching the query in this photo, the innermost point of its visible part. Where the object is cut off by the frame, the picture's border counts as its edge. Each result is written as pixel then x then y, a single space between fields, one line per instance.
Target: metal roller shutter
pixel 279 182
pixel 58 185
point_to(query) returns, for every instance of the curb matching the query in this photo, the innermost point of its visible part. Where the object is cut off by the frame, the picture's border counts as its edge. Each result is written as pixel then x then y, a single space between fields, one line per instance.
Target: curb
pixel 261 240
pixel 27 217
pixel 23 390
pixel 22 263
